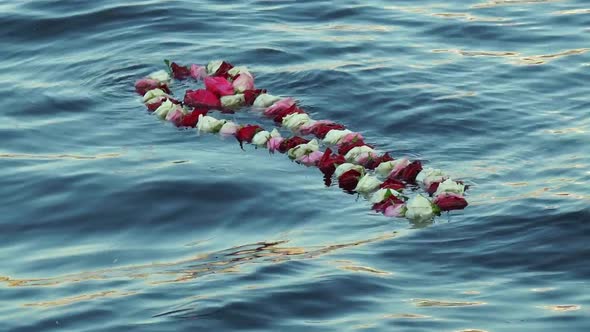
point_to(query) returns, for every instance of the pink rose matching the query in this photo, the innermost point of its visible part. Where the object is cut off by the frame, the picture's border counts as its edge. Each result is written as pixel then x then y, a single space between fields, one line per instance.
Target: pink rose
pixel 279 106
pixel 219 86
pixel 243 82
pixel 198 72
pixel 351 138
pixel 175 116
pixel 311 159
pixel 394 210
pixel 274 143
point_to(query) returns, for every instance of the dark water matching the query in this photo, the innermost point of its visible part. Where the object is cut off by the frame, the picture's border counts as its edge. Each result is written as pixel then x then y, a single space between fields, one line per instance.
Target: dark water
pixel 113 221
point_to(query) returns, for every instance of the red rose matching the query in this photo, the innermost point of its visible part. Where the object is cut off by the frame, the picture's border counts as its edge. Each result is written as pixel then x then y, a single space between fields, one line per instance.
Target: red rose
pixel 201 98
pixel 321 130
pixel 349 180
pixel 345 147
pixel 392 184
pixel 246 133
pixel 219 86
pixel 180 72
pixel 291 142
pixel 191 120
pixel 251 95
pixel 223 70
pixel 372 163
pixel 432 188
pixel 450 201
pixel 384 204
pixel 409 173
pixel 279 116
pixel 327 165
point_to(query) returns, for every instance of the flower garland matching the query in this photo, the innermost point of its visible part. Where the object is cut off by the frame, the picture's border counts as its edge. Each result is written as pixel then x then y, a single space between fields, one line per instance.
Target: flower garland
pixel 357 166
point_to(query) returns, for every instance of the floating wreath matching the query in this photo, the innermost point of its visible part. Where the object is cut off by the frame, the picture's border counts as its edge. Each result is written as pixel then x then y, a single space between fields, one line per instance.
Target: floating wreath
pixel 358 167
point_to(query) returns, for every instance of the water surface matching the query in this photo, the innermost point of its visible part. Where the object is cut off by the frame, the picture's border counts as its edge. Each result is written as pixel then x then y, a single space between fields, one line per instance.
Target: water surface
pixel 113 221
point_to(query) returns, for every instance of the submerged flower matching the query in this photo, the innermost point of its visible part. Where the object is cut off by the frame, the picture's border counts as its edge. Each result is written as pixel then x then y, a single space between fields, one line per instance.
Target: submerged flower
pixel 198 72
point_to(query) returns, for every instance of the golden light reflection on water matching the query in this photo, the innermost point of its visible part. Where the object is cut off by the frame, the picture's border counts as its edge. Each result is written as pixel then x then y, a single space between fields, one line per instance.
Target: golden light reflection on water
pixel 519 59
pixel 365 269
pixel 572 12
pixel 562 307
pixel 227 261
pixel 80 298
pixel 497 3
pixel 406 316
pixel 442 303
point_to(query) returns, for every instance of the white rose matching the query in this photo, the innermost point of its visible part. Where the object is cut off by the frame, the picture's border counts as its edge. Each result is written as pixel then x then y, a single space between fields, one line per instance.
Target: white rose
pixel 213 66
pixel 381 194
pixel 209 124
pixel 334 136
pixel 160 75
pixel 237 70
pixel 419 208
pixel 295 120
pixel 303 149
pixel 429 175
pixel 265 100
pixel 356 151
pixel 164 109
pixel 343 168
pixel 385 168
pixel 367 184
pixel 450 186
pixel 152 95
pixel 261 138
pixel 232 101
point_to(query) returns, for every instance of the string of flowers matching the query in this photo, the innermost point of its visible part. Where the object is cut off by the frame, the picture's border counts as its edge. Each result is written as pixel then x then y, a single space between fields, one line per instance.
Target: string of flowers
pixel 357 166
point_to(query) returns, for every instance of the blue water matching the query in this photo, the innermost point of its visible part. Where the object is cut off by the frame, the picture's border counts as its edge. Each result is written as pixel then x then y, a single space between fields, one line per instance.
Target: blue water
pixel 113 221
